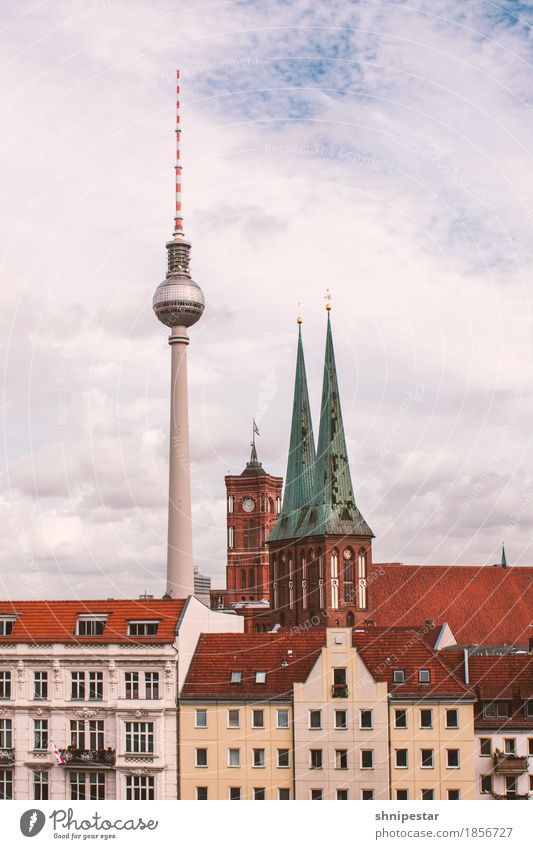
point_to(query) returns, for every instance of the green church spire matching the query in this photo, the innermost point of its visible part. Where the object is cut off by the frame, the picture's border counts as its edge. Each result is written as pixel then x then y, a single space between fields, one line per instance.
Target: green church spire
pixel 299 480
pixel 333 509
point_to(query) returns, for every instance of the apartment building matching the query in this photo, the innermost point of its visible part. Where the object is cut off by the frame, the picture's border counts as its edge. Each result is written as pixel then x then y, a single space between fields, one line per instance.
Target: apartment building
pixel 430 715
pixel 503 724
pixel 340 726
pixel 88 693
pixel 236 715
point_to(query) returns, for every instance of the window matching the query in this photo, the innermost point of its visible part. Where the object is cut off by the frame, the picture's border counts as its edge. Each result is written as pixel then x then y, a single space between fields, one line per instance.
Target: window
pixel 140 737
pixel 40 734
pixel 6 733
pixel 143 628
pixel 258 719
pixel 530 746
pixel 530 783
pixel 89 785
pixel 400 758
pixel 427 795
pixel 317 794
pixel 509 746
pixel 284 794
pixel 315 719
pixel 510 785
pixel 96 734
pixel 341 720
pixel 452 718
pixel 341 759
pixel 131 680
pixel 140 787
pixel 365 719
pixel 340 682
pixel 315 756
pixel 335 581
pixel 529 707
pixel 40 784
pixel 6 625
pixel 495 710
pixel 454 795
pixel 79 736
pixel 426 758
pixel 348 578
pixel 200 757
pixel 231 538
pixel 260 677
pixel 236 677
pixel 40 685
pixel 284 758
pixel 259 793
pixel 202 794
pixel 77 685
pixel 402 795
pixel 400 718
pixel 5 684
pixel 452 758
pixel 231 504
pixel 91 625
pixel 398 676
pixel 77 733
pixel 200 718
pixel 367 758
pixel 96 686
pixel 234 718
pixel 6 783
pixel 282 718
pixel 426 718
pixel 151 685
pixel 234 757
pixel 342 795
pixel 367 794
pixel 485 747
pixel 424 676
pixel 258 758
pixel 486 783
pixel 235 794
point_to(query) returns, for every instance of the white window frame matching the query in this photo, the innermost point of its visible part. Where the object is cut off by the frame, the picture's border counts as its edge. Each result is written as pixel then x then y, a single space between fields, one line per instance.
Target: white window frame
pixel 427 766
pixel 258 754
pixel 231 724
pixel 286 712
pixel 201 749
pixel 196 712
pixel 453 766
pixel 234 751
pixel 373 759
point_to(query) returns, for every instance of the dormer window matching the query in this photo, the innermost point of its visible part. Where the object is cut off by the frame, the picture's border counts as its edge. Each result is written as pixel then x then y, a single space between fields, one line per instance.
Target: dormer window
pixel 424 676
pixel 260 677
pixel 91 624
pixel 236 677
pixel 495 710
pixel 6 624
pixel 398 676
pixel 142 628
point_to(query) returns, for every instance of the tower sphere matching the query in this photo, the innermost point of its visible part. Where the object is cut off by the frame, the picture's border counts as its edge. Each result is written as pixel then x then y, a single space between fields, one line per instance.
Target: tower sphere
pixel 178 301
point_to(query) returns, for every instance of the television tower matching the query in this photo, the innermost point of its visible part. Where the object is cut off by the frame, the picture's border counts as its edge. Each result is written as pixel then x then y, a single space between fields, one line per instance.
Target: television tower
pixel 179 303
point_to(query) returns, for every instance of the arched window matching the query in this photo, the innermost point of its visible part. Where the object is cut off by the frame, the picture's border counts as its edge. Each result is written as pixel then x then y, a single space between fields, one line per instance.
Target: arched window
pixel 243 579
pixel 282 618
pixel 278 504
pixel 251 579
pixel 350 620
pixel 321 589
pixel 304 582
pixel 231 504
pixel 348 576
pixel 362 594
pixel 335 579
pixel 231 537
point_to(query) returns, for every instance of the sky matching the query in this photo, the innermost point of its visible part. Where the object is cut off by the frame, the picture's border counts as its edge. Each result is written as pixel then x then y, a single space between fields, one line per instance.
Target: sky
pixel 382 150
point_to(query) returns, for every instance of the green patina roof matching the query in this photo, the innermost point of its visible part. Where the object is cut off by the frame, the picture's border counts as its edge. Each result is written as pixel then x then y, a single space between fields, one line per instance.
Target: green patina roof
pixel 299 480
pixel 332 509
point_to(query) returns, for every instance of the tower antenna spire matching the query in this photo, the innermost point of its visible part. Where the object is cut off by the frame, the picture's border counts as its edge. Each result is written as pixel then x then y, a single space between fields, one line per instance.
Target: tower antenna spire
pixel 178 215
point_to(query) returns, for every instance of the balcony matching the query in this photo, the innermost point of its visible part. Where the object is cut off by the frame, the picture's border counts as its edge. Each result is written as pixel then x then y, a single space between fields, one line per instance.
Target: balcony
pixel 339 691
pixel 7 756
pixel 509 764
pixel 88 757
pixel 510 795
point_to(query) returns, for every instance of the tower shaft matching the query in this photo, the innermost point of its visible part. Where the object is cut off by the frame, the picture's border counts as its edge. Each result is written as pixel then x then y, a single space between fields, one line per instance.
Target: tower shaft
pixel 180 578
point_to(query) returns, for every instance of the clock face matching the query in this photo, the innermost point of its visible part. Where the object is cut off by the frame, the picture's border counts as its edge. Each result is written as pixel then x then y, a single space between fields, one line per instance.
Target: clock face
pixel 248 505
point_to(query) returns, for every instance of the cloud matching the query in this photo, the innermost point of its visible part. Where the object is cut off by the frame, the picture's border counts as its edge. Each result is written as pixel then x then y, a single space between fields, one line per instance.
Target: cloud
pixel 379 149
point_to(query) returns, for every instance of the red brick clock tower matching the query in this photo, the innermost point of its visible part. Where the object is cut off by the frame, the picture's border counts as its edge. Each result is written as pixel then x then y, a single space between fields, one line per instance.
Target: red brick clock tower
pixel 253 503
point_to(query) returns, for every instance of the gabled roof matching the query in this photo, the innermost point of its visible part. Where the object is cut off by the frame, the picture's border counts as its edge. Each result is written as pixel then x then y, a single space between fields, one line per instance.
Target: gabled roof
pixel 504 676
pixel 55 621
pixel 284 656
pixel 482 604
pixel 300 464
pixel 333 509
pixel 385 649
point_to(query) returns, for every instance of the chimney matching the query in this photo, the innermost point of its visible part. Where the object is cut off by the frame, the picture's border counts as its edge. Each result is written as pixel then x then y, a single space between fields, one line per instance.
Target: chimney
pixel 430 623
pixel 369 622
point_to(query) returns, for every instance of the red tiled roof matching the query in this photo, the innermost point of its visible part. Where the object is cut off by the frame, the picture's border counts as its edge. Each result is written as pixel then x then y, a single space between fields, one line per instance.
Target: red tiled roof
pixel 482 604
pixel 285 657
pixel 386 649
pixel 55 621
pixel 503 677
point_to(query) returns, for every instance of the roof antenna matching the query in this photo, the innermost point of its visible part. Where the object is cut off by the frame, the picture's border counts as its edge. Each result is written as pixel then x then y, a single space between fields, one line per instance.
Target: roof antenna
pixel 178 216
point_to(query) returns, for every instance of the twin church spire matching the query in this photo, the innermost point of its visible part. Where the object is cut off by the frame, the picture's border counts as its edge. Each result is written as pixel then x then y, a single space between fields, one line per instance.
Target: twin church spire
pixel 319 497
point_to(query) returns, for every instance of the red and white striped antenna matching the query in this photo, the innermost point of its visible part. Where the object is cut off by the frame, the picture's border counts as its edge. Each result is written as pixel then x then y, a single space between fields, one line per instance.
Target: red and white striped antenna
pixel 178 217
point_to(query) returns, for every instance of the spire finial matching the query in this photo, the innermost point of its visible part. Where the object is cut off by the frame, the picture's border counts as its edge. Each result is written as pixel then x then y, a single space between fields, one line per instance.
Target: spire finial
pixel 178 217
pixel 327 297
pixel 503 562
